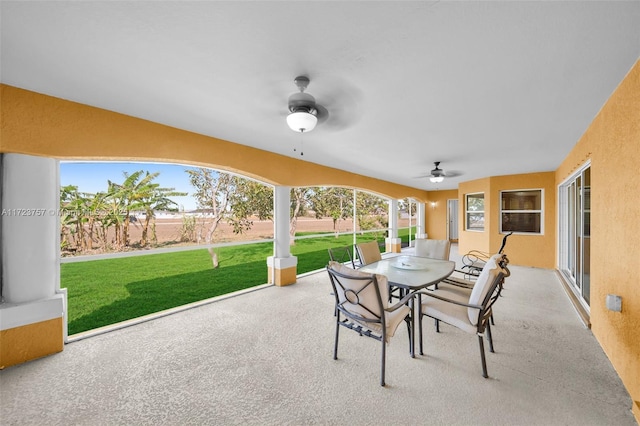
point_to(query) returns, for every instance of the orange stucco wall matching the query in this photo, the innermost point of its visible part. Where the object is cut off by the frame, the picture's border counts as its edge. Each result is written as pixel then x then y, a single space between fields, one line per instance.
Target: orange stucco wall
pixel 612 143
pixel 31 341
pixel 436 215
pixel 37 124
pixel 474 240
pixel 522 249
pixel 530 250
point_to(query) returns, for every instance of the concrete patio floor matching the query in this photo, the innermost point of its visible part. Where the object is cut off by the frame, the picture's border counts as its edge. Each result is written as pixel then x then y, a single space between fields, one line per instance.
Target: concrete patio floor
pixel 265 357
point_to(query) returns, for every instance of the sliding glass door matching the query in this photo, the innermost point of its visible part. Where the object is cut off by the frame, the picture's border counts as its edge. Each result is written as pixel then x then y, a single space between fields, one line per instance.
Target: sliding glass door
pixel 575 232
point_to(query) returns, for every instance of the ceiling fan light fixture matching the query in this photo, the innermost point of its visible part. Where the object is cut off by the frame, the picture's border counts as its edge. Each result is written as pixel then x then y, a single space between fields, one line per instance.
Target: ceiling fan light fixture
pixel 436 179
pixel 304 114
pixel 302 121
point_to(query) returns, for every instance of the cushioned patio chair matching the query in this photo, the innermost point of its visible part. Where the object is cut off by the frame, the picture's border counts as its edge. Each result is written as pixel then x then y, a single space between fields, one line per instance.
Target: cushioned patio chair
pixel 342 255
pixel 435 249
pixel 363 300
pixel 468 314
pixel 474 260
pixel 368 252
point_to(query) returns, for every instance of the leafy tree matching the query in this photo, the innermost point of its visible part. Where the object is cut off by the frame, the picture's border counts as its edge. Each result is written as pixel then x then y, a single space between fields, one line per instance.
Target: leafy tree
pixel 114 202
pixel 68 199
pixel 156 199
pixel 371 212
pixel 250 198
pixel 333 202
pixel 408 205
pixel 299 202
pixel 87 218
pixel 227 197
pixel 97 206
pixel 132 194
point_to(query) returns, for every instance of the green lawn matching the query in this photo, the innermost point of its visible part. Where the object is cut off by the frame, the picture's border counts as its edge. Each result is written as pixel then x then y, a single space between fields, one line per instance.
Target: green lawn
pixel 103 292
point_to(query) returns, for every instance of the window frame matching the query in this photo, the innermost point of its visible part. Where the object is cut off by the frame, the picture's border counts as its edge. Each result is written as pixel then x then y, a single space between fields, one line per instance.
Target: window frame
pixel 529 211
pixel 467 212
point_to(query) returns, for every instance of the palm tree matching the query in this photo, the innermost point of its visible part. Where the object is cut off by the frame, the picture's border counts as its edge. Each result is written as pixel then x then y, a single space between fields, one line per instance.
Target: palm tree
pixel 97 210
pixel 67 195
pixel 114 217
pixel 132 192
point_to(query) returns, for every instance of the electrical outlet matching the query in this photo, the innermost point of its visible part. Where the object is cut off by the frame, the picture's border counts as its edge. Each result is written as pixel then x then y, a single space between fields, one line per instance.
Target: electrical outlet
pixel 614 303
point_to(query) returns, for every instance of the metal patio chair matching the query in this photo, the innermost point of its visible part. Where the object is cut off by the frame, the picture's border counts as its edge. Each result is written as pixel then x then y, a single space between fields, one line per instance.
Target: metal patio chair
pixel 435 249
pixel 362 305
pixel 474 260
pixel 342 255
pixel 468 314
pixel 368 252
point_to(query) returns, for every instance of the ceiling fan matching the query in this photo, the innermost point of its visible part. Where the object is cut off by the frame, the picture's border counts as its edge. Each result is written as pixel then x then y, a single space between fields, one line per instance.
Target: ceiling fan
pixel 437 175
pixel 336 95
pixel 303 110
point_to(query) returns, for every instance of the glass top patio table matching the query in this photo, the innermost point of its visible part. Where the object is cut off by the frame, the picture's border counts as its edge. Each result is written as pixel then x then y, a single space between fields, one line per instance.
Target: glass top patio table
pixel 411 273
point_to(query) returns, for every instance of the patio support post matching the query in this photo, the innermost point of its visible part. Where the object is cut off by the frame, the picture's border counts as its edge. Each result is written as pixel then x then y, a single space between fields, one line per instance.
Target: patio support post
pixel 32 312
pixel 392 242
pixel 282 266
pixel 421 231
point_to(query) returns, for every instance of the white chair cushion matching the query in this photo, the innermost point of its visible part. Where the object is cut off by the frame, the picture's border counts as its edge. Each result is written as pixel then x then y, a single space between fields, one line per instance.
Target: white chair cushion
pixel 369 298
pixel 392 320
pixel 482 286
pixel 382 280
pixel 369 252
pixel 454 292
pixel 450 313
pixel 435 249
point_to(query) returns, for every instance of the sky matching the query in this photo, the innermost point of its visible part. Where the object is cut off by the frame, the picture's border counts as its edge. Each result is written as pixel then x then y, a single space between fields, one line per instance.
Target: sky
pixel 92 177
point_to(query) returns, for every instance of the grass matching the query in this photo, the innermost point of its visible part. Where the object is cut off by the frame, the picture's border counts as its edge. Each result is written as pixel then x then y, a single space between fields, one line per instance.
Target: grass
pixel 103 292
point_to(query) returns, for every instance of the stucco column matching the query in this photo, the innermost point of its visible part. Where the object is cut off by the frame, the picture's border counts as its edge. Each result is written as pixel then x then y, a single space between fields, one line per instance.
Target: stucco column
pixel 421 231
pixel 282 266
pixel 32 312
pixel 392 242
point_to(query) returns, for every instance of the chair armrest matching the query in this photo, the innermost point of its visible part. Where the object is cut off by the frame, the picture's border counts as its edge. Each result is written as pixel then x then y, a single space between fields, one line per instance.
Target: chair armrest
pixel 480 255
pixel 401 303
pixel 456 302
pixel 458 282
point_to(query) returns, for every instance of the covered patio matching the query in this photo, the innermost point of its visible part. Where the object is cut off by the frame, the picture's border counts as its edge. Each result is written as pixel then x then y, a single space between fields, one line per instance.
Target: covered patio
pixel 265 357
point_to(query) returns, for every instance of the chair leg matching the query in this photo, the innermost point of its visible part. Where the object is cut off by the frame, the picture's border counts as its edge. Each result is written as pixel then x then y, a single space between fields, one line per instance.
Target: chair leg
pixel 490 338
pixel 437 326
pixel 384 357
pixel 412 334
pixel 409 333
pixel 484 361
pixel 420 322
pixel 335 347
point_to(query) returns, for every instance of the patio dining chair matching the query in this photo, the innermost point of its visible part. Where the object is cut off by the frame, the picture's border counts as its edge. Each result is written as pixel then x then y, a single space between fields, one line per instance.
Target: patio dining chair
pixel 474 260
pixel 342 255
pixel 435 249
pixel 363 300
pixel 468 314
pixel 368 252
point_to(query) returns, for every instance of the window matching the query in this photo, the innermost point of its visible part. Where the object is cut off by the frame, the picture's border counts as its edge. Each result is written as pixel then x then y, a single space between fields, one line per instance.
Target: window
pixel 521 211
pixel 475 212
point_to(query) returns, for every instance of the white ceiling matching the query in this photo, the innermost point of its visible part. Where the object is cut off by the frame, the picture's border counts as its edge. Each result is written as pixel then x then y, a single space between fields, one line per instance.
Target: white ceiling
pixel 487 88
